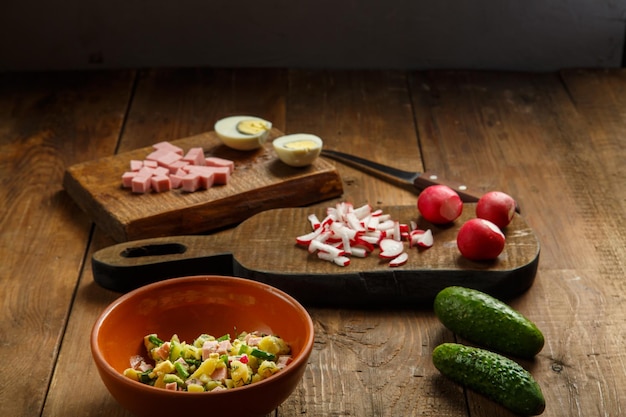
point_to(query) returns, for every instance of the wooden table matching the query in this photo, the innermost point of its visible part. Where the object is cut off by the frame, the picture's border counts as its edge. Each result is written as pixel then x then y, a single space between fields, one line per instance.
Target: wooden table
pixel 555 141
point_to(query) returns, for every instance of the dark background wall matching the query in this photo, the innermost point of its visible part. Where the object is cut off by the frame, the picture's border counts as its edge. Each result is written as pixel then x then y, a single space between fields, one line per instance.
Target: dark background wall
pixel 535 35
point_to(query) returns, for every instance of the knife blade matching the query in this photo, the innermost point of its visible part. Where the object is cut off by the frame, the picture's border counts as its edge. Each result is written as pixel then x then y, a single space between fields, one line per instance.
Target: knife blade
pixel 418 180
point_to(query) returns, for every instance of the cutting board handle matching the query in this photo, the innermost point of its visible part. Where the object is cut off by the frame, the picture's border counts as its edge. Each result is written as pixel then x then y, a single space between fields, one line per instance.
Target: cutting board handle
pixel 129 265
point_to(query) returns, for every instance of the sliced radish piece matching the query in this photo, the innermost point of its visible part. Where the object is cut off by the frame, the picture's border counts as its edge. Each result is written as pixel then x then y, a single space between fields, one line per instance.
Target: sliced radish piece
pixel 363 211
pixel 324 247
pixel 390 248
pixel 342 260
pixel 421 238
pixel 399 260
pixel 315 222
pixel 359 252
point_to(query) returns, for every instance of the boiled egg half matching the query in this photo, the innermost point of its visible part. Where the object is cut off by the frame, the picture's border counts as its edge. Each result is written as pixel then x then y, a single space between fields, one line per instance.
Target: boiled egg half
pixel 243 133
pixel 299 149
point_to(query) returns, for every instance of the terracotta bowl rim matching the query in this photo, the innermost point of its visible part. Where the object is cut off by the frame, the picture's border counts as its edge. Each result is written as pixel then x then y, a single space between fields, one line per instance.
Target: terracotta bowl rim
pixel 297 362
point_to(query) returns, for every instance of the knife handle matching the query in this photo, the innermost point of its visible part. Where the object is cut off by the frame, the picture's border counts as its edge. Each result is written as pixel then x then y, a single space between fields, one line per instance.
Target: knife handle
pixel 467 193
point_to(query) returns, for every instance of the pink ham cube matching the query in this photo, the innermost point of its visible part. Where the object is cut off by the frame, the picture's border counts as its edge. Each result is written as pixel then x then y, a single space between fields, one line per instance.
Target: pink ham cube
pixel 195 156
pixel 206 180
pixel 167 159
pixel 127 179
pixel 191 182
pixel 136 165
pixel 160 183
pixel 168 147
pixel 214 161
pixel 141 184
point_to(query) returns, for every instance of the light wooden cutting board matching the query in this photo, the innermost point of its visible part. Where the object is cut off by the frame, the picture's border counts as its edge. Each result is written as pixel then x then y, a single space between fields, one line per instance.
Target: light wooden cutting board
pixel 260 182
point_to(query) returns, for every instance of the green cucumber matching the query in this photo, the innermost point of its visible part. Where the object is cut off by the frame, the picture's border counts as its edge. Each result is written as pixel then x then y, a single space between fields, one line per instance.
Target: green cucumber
pixel 488 322
pixel 492 375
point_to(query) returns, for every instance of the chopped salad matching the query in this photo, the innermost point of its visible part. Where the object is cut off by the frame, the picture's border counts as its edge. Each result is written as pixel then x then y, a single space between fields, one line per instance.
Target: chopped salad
pixel 209 363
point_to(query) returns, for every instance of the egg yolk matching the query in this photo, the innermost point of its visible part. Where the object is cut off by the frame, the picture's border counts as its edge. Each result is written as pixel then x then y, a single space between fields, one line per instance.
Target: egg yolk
pixel 251 127
pixel 300 144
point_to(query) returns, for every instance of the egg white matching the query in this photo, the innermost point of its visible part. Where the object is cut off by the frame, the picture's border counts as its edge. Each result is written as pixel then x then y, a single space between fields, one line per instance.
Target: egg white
pixel 226 130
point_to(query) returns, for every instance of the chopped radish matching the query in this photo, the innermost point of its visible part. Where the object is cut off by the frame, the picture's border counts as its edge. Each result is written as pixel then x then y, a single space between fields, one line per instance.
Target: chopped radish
pixel 390 248
pixel 421 238
pixel 399 260
pixel 315 222
pixel 348 232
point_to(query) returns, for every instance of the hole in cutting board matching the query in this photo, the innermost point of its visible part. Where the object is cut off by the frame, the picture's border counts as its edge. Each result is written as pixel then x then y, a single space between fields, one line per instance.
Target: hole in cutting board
pixel 153 250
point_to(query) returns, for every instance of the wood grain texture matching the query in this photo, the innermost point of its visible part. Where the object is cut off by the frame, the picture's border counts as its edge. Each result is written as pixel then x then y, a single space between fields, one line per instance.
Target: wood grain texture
pixel 162 108
pixel 555 141
pixel 46 123
pixel 260 181
pixel 556 144
pixel 263 248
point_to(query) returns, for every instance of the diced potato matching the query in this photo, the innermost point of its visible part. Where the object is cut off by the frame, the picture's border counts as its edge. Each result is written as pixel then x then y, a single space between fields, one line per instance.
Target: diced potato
pixel 274 345
pixel 195 388
pixel 267 369
pixel 207 367
pixel 132 374
pixel 165 367
pixel 240 373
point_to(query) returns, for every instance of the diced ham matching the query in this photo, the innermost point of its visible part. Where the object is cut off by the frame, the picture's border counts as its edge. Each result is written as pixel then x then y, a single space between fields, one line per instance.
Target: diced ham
pixel 224 346
pixel 283 361
pixel 146 171
pixel 252 339
pixel 209 346
pixel 191 182
pixel 165 145
pixel 214 161
pixel 167 159
pixel 176 165
pixel 207 180
pixel 160 183
pixel 127 179
pixel 219 374
pixel 141 183
pixel 172 386
pixel 155 155
pixel 191 172
pixel 163 351
pixel 221 174
pixel 195 156
pixel 176 181
pixel 136 165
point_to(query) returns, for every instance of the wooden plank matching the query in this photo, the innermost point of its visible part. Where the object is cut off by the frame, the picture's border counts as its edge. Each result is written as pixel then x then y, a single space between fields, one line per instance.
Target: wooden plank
pixel 555 150
pixel 167 104
pixel 46 123
pixel 260 181
pixel 368 363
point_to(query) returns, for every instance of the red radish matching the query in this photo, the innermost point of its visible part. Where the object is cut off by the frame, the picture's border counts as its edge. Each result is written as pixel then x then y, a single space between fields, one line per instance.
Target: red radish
pixel 479 240
pixel 497 207
pixel 439 204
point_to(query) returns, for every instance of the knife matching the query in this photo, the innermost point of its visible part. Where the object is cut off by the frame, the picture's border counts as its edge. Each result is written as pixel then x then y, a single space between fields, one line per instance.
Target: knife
pixel 419 180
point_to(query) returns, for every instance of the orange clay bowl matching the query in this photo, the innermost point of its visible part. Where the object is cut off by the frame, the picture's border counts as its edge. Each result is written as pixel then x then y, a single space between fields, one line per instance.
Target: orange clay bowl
pixel 189 307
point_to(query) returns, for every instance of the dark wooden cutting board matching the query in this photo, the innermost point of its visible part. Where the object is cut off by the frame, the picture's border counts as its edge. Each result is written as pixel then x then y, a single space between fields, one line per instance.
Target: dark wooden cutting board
pixel 260 182
pixel 263 248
